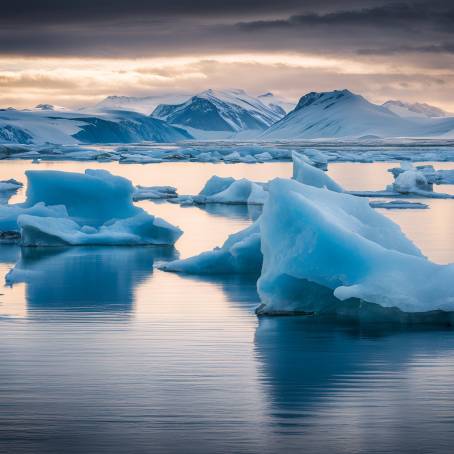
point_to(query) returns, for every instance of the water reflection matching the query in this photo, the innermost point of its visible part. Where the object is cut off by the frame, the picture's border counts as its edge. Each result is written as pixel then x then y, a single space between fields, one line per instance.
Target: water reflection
pixel 246 212
pixel 85 278
pixel 346 388
pixel 9 253
pixel 238 290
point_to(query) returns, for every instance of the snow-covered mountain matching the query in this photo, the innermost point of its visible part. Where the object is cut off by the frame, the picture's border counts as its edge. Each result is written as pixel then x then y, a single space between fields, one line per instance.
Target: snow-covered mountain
pixel 49 107
pixel 276 103
pixel 343 114
pixel 418 110
pixel 144 105
pixel 224 111
pixel 48 126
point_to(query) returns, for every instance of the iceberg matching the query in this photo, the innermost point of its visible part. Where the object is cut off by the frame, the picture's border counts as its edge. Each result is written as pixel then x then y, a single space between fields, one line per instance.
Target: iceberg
pixel 317 158
pixel 241 191
pixel 306 173
pixel 8 188
pixel 411 182
pixel 154 192
pixel 65 208
pixel 228 191
pixel 10 185
pixel 239 254
pixel 330 253
pixel 442 176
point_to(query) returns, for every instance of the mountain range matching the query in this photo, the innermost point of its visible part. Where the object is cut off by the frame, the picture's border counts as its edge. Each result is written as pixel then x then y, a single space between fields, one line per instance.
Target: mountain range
pixel 226 111
pixel 343 114
pixel 224 114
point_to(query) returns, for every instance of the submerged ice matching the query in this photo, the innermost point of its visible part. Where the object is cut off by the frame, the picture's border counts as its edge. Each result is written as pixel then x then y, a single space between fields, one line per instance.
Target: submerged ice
pixel 64 208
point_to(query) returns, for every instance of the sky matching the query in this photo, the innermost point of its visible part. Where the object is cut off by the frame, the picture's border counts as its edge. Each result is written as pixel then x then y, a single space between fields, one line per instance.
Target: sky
pixel 75 53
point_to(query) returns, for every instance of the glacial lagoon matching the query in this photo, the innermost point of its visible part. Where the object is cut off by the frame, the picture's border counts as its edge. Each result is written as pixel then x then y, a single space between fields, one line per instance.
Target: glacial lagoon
pixel 102 351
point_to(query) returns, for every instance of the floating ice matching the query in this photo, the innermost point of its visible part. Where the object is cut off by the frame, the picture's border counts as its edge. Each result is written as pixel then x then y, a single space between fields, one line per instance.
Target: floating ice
pixel 321 247
pixel 399 205
pixel 8 188
pixel 411 182
pixel 317 158
pixel 154 192
pixel 228 191
pixel 126 158
pixel 10 213
pixel 64 208
pixel 432 176
pixel 10 185
pixel 239 254
pixel 306 173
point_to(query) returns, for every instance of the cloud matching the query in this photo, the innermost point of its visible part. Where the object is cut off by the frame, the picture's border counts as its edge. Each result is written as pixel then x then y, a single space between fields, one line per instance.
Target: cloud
pixel 151 28
pixel 443 48
pixel 77 52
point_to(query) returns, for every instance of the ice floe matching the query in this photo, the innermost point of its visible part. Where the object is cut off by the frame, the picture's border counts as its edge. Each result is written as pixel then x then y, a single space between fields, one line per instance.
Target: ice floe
pixel 305 172
pixel 442 176
pixel 239 254
pixel 8 188
pixel 409 182
pixel 154 192
pixel 65 208
pixel 398 205
pixel 227 190
pixel 321 247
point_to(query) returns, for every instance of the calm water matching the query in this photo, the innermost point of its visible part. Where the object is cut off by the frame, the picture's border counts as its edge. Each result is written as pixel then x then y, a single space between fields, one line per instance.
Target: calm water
pixel 101 352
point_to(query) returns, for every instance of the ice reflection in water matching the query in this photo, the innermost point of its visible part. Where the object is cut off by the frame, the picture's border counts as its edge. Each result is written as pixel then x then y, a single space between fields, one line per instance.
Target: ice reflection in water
pixel 346 388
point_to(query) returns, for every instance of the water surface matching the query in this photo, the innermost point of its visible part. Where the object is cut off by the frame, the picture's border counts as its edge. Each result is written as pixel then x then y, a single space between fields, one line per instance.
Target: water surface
pixel 102 352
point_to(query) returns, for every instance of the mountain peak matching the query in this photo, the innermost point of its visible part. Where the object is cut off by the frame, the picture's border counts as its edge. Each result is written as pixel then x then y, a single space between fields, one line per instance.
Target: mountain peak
pixel 322 97
pixel 417 109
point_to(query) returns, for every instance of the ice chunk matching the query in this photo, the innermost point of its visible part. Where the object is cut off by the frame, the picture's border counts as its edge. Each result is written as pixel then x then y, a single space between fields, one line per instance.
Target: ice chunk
pixel 8 188
pixel 321 247
pixel 91 208
pixel 239 254
pixel 140 229
pixel 241 191
pixel 215 185
pixel 138 159
pixel 399 205
pixel 10 213
pixel 154 192
pixel 317 158
pixel 229 191
pixel 10 185
pixel 305 173
pixel 411 182
pixel 432 176
pixel 232 157
pixel 265 156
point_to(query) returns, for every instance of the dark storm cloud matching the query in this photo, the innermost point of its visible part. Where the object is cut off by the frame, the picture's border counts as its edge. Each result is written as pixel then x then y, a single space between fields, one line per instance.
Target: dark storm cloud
pixel 384 16
pixel 150 28
pixel 33 11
